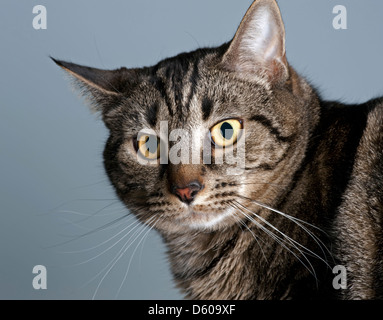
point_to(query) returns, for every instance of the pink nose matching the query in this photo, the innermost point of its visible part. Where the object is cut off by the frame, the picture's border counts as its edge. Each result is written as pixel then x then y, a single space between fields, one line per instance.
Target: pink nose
pixel 188 193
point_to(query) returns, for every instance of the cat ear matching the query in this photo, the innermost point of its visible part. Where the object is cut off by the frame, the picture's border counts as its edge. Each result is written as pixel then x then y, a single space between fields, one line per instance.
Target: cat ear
pixel 258 47
pixel 103 87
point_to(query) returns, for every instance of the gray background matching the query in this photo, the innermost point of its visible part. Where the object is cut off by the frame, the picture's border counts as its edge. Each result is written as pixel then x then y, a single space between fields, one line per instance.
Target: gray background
pixel 52 184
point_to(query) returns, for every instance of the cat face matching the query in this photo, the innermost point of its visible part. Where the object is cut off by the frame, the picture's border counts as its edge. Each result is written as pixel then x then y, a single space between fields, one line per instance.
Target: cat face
pixel 196 137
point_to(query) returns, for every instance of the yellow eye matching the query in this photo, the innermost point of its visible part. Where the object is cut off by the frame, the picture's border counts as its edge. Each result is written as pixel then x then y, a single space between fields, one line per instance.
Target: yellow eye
pixel 226 133
pixel 148 146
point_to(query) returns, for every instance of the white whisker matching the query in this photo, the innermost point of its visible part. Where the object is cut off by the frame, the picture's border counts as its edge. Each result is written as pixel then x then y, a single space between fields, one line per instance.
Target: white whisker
pixel 251 231
pixel 134 251
pixel 119 255
pixel 287 237
pixel 299 222
pixel 97 213
pixel 112 246
pixel 107 240
pixel 104 227
pixel 279 239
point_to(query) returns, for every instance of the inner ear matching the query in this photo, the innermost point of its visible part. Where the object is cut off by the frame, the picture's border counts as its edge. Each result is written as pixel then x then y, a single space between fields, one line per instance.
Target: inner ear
pixel 258 47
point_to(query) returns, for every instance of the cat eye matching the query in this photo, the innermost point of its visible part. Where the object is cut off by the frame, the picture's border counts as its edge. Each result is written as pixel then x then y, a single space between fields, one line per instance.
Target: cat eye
pixel 226 133
pixel 148 146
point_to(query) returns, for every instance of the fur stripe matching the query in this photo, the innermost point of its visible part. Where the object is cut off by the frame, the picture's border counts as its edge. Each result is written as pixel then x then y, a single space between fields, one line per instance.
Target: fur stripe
pixel 267 123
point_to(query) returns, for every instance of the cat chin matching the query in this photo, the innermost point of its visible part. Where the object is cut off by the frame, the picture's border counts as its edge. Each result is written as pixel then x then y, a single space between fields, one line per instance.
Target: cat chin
pixel 209 221
pixel 192 221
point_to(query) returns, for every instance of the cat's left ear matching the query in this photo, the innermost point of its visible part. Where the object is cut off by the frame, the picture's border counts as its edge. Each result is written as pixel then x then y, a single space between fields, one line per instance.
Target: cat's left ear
pixel 104 87
pixel 258 47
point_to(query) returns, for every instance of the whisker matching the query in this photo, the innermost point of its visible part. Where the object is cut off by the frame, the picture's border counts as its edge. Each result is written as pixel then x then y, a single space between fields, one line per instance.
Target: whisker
pixel 106 226
pixel 89 185
pixel 114 226
pixel 279 239
pixel 71 202
pixel 69 222
pixel 112 246
pixel 143 244
pixel 118 257
pixel 251 231
pixel 287 237
pixel 110 262
pixel 105 241
pixel 262 183
pixel 131 257
pixel 90 215
pixel 282 213
pixel 98 211
pixel 300 223
pixel 75 213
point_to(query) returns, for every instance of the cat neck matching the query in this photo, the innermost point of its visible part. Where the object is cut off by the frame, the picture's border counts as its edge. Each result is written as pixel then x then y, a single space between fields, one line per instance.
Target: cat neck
pixel 214 265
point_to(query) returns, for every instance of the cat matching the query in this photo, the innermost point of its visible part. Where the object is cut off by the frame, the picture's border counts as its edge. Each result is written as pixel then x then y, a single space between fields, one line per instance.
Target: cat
pixel 307 197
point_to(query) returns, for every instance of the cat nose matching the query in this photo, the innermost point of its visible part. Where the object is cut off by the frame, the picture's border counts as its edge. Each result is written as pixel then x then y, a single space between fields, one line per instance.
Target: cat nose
pixel 187 193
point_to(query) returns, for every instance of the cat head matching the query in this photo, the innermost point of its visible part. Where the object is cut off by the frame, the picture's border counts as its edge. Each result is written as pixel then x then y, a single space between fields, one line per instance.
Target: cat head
pixel 197 137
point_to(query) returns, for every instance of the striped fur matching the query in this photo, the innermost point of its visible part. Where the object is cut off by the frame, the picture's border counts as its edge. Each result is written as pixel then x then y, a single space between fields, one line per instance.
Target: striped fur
pixel 310 195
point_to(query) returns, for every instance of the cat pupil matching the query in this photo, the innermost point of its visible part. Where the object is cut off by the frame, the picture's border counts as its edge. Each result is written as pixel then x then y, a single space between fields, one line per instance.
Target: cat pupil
pixel 227 130
pixel 151 144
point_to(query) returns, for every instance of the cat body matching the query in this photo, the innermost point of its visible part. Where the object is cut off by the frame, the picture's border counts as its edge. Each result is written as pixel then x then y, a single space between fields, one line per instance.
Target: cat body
pixel 307 197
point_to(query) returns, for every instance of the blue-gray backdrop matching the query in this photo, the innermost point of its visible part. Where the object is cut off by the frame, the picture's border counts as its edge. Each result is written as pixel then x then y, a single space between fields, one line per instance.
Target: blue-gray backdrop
pixel 56 204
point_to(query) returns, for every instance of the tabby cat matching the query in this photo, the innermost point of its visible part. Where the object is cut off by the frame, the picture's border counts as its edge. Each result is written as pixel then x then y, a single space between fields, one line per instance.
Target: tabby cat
pixel 308 195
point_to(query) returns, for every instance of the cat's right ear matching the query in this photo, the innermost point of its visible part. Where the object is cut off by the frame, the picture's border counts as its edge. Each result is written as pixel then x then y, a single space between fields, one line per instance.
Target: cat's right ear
pixel 103 87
